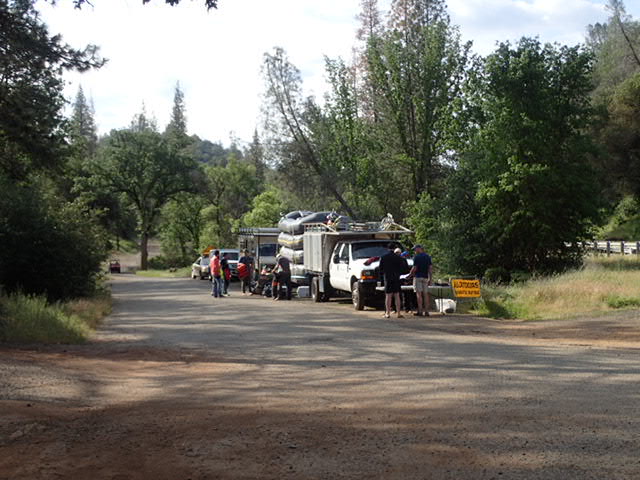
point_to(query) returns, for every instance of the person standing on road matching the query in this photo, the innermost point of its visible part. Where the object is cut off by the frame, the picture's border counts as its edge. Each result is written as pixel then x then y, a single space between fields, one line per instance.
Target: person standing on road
pixel 226 273
pixel 216 275
pixel 422 271
pixel 392 266
pixel 245 272
pixel 283 271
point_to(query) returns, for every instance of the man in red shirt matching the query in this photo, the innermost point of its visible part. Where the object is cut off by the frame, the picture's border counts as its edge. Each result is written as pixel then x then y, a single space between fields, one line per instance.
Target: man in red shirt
pixel 216 275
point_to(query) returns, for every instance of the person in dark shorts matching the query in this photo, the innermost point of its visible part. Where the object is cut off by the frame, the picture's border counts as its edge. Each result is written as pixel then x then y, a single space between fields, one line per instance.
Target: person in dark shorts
pixel 392 266
pixel 421 273
pixel 283 269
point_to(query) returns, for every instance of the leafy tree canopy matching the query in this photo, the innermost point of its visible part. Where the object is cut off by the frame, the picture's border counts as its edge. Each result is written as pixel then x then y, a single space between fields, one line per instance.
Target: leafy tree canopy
pixel 31 96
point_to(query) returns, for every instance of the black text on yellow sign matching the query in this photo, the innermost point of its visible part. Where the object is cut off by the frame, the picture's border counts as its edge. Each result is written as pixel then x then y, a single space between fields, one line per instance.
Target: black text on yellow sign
pixel 466 288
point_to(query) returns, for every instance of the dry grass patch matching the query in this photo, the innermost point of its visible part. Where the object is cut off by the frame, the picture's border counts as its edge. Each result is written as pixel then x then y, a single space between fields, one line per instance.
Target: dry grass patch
pixel 604 284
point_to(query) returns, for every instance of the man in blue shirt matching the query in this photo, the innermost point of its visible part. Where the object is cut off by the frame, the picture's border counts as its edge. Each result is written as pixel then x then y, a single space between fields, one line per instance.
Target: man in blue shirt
pixel 421 272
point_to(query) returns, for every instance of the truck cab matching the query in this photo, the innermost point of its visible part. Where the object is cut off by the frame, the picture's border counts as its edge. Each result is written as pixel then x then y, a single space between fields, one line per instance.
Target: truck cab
pixel 355 265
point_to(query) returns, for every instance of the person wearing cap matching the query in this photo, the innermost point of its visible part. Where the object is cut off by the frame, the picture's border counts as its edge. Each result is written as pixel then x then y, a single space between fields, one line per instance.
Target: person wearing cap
pixel 421 273
pixel 391 267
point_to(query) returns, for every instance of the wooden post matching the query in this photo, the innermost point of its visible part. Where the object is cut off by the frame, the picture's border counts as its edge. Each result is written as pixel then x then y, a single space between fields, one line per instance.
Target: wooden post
pixel 622 247
pixel 608 248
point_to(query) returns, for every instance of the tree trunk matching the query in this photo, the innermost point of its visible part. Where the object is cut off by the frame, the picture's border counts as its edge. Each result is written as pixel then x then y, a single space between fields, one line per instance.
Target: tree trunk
pixel 144 251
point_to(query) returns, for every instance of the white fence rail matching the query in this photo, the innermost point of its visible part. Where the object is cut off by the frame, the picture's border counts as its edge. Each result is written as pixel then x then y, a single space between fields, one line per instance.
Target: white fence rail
pixel 610 247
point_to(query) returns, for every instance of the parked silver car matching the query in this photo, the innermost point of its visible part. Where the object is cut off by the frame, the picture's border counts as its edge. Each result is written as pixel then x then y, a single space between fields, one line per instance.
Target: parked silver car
pixel 200 268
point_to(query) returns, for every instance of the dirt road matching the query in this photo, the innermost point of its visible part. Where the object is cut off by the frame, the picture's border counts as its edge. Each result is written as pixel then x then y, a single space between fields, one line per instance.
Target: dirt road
pixel 179 385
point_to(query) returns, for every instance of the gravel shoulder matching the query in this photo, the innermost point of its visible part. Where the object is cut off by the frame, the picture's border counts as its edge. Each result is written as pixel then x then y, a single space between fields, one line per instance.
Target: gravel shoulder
pixel 180 385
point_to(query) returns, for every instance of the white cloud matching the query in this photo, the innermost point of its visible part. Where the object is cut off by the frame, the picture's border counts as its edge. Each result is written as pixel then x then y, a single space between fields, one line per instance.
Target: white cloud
pixel 217 56
pixel 486 22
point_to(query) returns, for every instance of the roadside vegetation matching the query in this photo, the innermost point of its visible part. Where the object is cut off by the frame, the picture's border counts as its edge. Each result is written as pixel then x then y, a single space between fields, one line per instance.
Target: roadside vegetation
pixel 33 319
pixel 603 285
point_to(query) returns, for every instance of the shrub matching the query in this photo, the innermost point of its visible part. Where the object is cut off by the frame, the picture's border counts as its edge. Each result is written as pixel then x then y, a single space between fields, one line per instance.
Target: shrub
pixel 31 319
pixel 615 301
pixel 49 246
pixel 158 263
pixel 496 275
pixel 520 276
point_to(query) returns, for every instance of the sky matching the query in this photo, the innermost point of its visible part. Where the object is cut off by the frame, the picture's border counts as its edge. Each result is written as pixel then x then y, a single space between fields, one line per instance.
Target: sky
pixel 216 56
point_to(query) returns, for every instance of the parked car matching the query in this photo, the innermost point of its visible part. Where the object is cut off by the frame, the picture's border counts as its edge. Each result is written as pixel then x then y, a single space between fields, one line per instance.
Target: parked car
pixel 233 255
pixel 114 266
pixel 200 268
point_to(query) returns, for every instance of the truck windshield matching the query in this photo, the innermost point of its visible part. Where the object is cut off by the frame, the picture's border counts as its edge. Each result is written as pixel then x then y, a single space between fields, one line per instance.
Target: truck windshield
pixel 372 249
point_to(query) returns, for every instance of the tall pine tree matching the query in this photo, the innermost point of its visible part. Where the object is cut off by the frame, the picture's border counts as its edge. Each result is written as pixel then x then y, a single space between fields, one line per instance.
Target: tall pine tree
pixel 176 131
pixel 83 133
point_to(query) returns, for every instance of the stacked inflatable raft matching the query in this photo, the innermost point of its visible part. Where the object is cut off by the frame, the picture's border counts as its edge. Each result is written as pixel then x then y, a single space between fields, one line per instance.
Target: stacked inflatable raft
pixel 291 237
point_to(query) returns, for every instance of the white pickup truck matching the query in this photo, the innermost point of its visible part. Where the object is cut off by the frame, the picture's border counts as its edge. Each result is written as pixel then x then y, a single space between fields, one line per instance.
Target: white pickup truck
pixel 347 260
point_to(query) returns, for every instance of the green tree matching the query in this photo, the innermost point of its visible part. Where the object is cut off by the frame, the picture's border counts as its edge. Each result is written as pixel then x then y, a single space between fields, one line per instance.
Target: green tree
pixel 181 228
pixel 348 143
pixel 83 132
pixel 255 156
pixel 371 26
pixel 288 116
pixel 266 209
pixel 229 190
pixel 82 139
pixel 141 164
pixel 49 246
pixel 526 178
pixel 416 69
pixel 176 131
pixel 615 45
pixel 31 96
pixel 621 137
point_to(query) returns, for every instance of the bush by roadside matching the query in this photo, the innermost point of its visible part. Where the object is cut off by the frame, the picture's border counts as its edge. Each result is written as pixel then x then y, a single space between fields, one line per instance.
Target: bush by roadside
pixel 32 319
pixel 604 284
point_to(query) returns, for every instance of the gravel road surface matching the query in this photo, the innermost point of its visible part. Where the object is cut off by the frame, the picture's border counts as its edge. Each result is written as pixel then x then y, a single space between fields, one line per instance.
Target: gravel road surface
pixel 180 385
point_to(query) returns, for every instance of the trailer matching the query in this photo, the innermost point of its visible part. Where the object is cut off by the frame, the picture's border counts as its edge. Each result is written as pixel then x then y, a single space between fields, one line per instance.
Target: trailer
pixel 262 244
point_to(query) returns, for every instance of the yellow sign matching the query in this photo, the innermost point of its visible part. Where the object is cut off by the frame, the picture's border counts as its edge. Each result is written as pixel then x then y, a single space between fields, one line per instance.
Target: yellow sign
pixel 466 288
pixel 207 250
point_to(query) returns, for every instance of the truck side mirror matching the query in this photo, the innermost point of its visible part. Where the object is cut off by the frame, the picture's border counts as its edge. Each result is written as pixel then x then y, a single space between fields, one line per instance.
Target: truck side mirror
pixel 336 258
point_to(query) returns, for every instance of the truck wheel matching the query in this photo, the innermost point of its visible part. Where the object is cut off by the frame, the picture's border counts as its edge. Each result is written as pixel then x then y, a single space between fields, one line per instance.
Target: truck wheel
pixel 357 297
pixel 316 295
